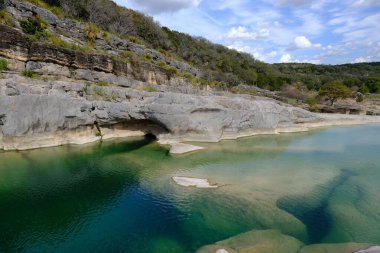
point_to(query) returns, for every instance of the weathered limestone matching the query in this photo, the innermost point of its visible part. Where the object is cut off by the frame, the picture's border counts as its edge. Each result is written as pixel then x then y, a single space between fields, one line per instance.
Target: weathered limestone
pixel 31 109
pixel 194 182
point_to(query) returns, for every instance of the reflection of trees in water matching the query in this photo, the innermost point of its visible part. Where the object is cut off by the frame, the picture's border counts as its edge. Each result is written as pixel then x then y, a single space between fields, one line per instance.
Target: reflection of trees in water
pixel 55 188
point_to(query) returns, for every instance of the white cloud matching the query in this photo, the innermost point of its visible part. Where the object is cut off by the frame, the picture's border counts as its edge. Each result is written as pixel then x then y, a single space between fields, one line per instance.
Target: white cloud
pixel 286 58
pixel 156 7
pixel 257 53
pixel 293 2
pixel 363 59
pixel 365 3
pixel 241 32
pixel 302 42
pixel 274 29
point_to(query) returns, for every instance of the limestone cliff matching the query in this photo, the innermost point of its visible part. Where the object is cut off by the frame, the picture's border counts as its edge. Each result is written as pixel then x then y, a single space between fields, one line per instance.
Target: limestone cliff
pixel 75 96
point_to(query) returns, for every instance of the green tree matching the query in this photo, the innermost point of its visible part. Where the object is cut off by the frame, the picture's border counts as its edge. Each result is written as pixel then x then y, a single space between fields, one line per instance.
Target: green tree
pixel 373 85
pixel 335 90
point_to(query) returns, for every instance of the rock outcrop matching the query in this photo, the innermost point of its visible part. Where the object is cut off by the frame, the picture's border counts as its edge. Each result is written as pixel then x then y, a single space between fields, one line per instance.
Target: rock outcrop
pixel 30 108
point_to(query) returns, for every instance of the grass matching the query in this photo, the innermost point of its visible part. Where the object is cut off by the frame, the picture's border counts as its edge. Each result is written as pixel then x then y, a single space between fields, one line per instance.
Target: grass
pixel 57 41
pixel 5 18
pixel 3 64
pixel 102 83
pixel 98 93
pixel 29 73
pixel 146 88
pixel 135 40
pixel 372 96
pixel 91 33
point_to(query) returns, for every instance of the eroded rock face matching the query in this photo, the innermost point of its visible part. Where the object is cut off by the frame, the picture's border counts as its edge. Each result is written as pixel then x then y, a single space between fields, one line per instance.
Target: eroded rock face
pixel 29 107
pixel 75 31
pixel 13 44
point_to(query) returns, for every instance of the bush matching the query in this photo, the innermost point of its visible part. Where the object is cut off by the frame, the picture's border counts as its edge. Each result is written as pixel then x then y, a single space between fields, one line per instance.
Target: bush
pixel 34 26
pixel 3 64
pixel 91 33
pixel 28 73
pixel 359 97
pixel 170 72
pixel 311 102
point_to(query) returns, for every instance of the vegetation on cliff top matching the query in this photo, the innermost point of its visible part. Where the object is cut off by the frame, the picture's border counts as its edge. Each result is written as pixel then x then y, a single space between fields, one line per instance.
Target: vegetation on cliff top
pixel 219 64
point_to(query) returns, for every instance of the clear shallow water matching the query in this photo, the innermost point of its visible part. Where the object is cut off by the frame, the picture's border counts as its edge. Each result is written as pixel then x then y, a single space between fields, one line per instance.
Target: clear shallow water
pixel 319 187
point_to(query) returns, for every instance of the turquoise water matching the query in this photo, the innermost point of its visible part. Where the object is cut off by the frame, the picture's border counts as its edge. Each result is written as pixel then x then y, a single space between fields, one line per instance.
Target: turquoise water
pixel 118 196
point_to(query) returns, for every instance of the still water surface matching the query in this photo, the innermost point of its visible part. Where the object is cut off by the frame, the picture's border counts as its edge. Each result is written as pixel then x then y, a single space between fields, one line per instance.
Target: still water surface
pixel 117 196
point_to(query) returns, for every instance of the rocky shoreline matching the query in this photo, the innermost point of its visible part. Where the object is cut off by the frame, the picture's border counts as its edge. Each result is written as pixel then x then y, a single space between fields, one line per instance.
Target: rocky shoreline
pixel 45 113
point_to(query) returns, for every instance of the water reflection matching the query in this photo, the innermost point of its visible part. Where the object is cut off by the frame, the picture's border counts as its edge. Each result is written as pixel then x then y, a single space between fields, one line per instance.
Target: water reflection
pixel 117 196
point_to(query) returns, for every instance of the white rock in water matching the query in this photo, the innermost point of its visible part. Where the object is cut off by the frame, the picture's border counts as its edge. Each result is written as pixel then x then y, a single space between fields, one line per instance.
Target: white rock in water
pixel 182 148
pixel 195 182
pixel 221 251
pixel 374 249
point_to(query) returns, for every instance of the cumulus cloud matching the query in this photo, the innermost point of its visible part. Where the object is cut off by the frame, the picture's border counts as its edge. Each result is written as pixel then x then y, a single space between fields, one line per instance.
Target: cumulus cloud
pixel 301 42
pixel 291 28
pixel 286 58
pixel 362 59
pixel 241 32
pixel 156 7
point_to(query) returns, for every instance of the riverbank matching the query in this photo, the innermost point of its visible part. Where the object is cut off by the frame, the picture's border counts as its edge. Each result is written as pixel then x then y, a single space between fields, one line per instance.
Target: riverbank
pixel 177 144
pixel 325 120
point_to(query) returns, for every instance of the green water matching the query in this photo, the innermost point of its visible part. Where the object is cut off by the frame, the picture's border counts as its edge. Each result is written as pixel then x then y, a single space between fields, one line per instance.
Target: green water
pixel 117 196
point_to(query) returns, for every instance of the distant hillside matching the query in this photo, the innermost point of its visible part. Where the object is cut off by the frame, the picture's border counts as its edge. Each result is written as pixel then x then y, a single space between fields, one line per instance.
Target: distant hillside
pixel 219 65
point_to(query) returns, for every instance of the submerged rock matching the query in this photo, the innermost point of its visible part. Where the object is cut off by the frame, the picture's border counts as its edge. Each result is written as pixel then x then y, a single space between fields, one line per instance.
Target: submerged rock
pixel 373 249
pixel 257 241
pixel 336 248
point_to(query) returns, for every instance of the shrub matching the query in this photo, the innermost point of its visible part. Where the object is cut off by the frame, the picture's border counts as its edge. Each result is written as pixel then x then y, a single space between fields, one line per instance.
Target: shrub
pixel 91 33
pixel 3 64
pixel 311 102
pixel 170 72
pixel 135 40
pixel 359 97
pixel 28 73
pixel 34 26
pixel 148 57
pixel 126 55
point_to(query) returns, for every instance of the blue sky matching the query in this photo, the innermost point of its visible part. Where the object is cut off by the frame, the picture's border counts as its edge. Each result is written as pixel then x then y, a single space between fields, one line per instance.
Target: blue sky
pixel 315 31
